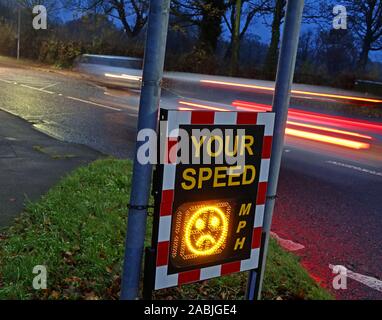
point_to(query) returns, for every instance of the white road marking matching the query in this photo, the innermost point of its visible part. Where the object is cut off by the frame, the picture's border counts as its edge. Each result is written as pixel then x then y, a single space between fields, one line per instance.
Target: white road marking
pixel 6 81
pixel 366 280
pixel 24 85
pixel 287 244
pixel 37 89
pixel 93 103
pixel 49 86
pixel 349 166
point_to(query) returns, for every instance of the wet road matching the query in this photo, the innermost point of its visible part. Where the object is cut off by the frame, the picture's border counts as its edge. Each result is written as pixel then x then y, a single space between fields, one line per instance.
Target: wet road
pixel 330 197
pixel 71 109
pixel 335 213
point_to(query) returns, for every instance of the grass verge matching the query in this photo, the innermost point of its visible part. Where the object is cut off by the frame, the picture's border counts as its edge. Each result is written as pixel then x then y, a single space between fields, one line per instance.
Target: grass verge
pixel 77 230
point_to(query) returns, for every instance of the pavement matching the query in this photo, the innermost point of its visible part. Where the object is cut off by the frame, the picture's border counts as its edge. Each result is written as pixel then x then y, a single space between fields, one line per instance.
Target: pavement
pixel 330 202
pixel 31 163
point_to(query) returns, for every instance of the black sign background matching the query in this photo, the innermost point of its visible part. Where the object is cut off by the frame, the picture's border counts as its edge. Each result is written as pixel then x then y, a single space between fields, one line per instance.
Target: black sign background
pixel 234 195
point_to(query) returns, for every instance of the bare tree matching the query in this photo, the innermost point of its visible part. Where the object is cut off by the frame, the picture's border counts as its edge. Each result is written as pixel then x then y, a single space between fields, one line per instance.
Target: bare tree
pixel 242 11
pixel 52 6
pixel 132 14
pixel 207 15
pixel 272 54
pixel 366 21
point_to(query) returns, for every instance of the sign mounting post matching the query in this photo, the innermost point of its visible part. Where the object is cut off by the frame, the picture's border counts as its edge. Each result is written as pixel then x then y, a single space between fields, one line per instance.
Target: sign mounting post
pixel 148 119
pixel 284 80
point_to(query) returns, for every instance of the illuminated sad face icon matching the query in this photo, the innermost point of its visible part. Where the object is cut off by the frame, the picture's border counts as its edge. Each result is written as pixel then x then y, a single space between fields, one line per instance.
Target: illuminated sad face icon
pixel 206 231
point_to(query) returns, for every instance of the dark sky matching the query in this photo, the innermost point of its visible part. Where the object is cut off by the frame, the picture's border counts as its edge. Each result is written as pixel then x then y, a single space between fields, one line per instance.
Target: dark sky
pixel 258 28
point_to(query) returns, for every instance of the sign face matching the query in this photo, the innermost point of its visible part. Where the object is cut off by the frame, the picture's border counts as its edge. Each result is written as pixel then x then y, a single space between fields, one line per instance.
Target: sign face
pixel 212 192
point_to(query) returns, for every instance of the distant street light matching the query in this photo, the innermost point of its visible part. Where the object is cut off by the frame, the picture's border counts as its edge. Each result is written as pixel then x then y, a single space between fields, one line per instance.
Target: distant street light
pixel 18 32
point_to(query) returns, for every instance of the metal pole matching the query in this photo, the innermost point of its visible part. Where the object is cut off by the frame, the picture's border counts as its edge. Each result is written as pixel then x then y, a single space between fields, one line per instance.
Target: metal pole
pixel 148 118
pixel 18 32
pixel 284 80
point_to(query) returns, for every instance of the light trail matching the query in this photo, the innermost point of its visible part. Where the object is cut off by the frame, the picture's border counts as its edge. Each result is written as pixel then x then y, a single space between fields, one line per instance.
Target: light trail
pixel 334 120
pixel 308 93
pixel 294 132
pixel 123 76
pixel 348 133
pixel 260 107
pixel 239 85
pixel 202 106
pixel 327 139
pixel 249 106
pixel 307 116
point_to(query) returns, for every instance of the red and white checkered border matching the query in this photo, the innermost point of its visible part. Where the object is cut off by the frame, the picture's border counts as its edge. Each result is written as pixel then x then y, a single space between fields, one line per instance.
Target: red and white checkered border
pixel 174 120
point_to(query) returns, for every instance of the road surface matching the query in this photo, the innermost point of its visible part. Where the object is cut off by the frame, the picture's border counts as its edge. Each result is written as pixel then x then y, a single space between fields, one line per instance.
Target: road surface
pixel 330 203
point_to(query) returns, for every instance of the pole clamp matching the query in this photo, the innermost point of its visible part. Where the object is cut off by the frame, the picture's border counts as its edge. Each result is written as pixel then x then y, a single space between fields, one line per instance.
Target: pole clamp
pixel 152 83
pixel 140 208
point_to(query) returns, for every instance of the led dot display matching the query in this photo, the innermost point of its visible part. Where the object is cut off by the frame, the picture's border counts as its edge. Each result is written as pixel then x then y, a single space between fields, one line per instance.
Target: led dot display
pixel 206 231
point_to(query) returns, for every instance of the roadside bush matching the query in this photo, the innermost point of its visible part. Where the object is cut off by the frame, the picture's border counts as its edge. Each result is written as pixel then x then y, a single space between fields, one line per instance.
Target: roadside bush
pixel 7 39
pixel 59 53
pixel 48 51
pixel 67 52
pixel 198 61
